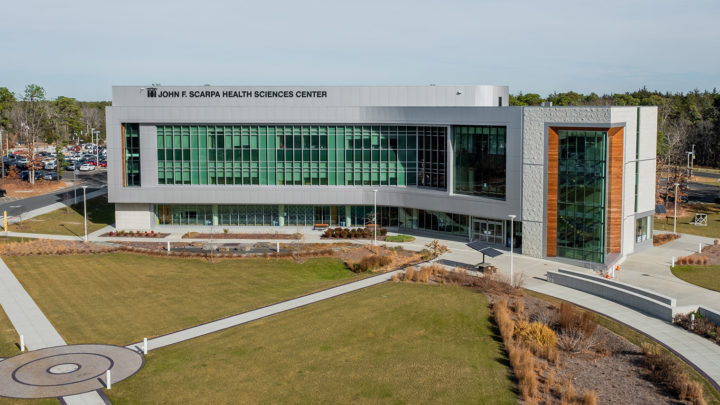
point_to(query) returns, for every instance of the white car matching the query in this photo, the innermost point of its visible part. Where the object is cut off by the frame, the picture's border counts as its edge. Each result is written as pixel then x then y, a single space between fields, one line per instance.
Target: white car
pixel 51 165
pixel 86 167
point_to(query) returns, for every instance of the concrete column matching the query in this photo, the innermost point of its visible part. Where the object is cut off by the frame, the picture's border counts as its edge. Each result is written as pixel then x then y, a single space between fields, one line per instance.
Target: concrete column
pixel 215 215
pixel 415 218
pixel 281 215
pixel 348 218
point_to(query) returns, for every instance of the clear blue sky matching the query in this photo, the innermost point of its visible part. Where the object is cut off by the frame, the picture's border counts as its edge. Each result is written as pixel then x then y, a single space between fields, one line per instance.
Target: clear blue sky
pixel 81 48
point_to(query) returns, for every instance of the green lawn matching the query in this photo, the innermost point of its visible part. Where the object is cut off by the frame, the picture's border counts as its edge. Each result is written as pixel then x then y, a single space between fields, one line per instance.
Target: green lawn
pixel 712 230
pixel 120 298
pixel 393 343
pixel 69 221
pixel 8 337
pixel 704 276
pixel 399 238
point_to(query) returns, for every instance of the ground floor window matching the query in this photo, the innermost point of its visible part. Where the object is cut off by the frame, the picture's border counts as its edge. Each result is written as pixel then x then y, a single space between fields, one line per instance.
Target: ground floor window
pixel 309 215
pixel 643 229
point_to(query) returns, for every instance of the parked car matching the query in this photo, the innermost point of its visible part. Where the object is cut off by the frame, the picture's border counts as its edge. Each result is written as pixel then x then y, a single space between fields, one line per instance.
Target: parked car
pixel 103 163
pixel 51 176
pixel 73 165
pixel 85 167
pixel 50 165
pixel 3 193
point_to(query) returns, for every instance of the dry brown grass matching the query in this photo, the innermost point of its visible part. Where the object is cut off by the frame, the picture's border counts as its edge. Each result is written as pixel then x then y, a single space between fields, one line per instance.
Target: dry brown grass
pixel 51 247
pixel 521 358
pixel 409 274
pixel 666 370
pixel 589 398
pixel 571 319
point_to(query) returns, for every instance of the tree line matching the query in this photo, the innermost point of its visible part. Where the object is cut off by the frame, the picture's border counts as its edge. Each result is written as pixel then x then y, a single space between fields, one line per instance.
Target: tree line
pixel 684 119
pixel 31 117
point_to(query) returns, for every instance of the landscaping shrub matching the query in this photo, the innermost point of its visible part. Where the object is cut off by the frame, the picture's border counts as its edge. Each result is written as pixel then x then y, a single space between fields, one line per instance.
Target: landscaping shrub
pixel 409 274
pixel 328 233
pixel 535 333
pixel 589 398
pixel 668 371
pixel 570 319
pixel 370 263
pixel 701 326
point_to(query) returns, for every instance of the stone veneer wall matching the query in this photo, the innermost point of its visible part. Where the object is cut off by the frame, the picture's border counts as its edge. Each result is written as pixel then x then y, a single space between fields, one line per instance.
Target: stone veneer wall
pixel 535 123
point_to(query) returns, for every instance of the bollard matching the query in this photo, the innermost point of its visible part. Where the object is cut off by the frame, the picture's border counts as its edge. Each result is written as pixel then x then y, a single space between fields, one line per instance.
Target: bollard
pixel 168 248
pixel 144 345
pixel 673 262
pixel 700 247
pixel 692 321
pixel 22 343
pixel 108 383
pixel 277 247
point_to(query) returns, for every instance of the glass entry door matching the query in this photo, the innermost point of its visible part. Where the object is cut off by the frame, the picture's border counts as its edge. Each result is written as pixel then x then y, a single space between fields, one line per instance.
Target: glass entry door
pixel 487 230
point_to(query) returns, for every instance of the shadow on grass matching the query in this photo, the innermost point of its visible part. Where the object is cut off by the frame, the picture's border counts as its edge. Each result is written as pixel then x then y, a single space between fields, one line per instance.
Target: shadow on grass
pixel 70 230
pixel 99 211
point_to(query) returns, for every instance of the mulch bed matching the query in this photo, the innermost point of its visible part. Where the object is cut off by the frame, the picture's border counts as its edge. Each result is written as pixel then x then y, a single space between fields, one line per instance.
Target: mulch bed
pixel 283 236
pixel 155 235
pixel 616 372
pixel 663 238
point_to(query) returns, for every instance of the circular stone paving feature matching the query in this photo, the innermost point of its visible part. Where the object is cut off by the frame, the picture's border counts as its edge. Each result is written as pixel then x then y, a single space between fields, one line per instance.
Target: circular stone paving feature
pixel 65 370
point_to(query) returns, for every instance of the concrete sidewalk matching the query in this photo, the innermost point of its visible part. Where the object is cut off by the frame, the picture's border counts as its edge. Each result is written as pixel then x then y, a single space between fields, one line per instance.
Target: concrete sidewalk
pixel 259 313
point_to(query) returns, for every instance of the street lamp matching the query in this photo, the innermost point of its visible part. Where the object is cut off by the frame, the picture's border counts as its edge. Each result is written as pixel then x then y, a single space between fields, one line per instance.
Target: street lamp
pixel 512 219
pixel 675 213
pixel 688 163
pixel 375 217
pixel 85 211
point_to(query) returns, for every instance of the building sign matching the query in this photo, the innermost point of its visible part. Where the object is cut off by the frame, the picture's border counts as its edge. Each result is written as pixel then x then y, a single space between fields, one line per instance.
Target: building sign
pixel 154 92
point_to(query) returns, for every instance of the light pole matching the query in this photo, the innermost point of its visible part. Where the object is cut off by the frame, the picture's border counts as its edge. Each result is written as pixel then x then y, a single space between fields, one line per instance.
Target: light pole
pixel 375 217
pixel 512 219
pixel 688 164
pixel 675 211
pixel 85 211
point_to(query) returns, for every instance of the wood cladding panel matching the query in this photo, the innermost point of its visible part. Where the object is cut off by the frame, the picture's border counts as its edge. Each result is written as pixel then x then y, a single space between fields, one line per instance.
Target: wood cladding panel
pixel 552 192
pixel 613 226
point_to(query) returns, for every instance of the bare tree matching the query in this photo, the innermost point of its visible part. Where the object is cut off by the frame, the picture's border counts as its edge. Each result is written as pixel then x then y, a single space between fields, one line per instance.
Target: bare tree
pixel 30 117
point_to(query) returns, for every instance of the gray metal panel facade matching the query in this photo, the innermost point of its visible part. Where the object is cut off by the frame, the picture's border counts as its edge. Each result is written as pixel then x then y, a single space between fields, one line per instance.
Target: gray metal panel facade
pixel 415 197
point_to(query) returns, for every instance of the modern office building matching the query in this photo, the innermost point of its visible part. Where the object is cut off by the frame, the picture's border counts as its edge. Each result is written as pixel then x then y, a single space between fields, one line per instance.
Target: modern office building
pixel 451 160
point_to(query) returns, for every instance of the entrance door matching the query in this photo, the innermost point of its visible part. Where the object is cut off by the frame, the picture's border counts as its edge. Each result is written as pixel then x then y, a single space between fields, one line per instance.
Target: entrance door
pixel 487 230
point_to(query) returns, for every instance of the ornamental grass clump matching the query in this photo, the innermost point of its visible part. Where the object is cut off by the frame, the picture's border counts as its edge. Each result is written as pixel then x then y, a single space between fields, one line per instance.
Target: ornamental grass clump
pixel 668 371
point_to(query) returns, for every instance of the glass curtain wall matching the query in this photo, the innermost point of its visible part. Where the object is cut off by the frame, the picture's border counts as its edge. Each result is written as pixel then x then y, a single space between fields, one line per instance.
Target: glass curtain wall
pixel 301 155
pixel 479 161
pixel 581 195
pixel 409 218
pixel 131 142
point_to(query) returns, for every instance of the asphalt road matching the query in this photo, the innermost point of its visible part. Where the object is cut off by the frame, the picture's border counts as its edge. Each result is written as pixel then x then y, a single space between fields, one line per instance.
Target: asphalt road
pixel 94 180
pixel 706 174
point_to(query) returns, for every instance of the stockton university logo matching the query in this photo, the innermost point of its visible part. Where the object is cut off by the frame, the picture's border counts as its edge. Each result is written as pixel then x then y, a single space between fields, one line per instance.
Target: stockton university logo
pixel 152 92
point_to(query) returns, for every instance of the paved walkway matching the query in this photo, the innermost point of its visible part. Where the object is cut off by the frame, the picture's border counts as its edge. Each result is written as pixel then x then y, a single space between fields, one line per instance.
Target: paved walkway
pixel 29 321
pixel 263 312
